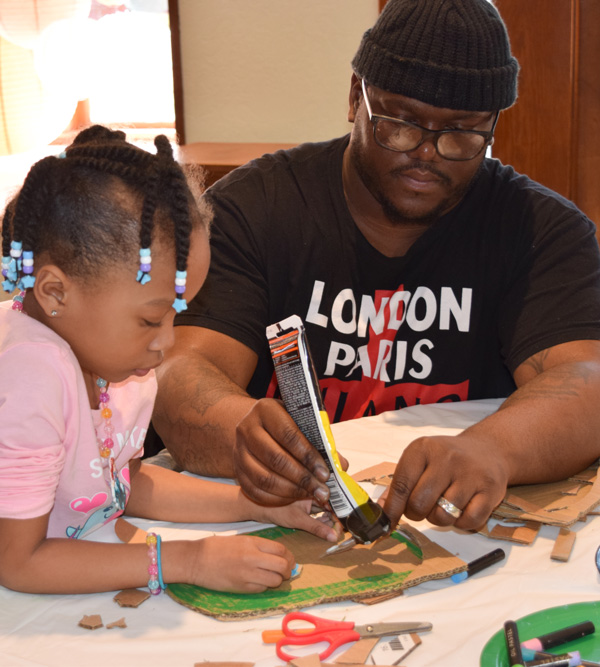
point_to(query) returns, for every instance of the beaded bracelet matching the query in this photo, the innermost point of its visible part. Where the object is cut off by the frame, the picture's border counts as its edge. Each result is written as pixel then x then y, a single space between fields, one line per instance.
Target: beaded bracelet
pixel 155 582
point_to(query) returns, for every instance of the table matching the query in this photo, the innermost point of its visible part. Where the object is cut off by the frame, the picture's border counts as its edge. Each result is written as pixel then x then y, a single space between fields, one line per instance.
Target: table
pixel 43 630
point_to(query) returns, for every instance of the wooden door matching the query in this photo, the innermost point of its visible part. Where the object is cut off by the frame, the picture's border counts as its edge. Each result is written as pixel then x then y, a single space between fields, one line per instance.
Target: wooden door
pixel 552 133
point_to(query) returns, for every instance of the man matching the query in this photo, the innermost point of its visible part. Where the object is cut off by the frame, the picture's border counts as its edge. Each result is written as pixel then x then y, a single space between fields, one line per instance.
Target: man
pixel 424 272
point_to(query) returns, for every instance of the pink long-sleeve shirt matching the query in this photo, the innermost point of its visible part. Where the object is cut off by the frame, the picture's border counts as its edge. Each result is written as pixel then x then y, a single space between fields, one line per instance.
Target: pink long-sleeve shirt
pixel 49 457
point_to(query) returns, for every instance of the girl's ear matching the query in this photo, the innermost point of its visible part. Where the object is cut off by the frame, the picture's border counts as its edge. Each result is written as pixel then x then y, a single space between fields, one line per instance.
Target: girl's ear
pixel 51 289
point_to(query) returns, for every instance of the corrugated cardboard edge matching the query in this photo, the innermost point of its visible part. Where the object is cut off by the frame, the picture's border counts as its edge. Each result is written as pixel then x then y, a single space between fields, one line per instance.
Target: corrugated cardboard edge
pixel 572 509
pixel 443 561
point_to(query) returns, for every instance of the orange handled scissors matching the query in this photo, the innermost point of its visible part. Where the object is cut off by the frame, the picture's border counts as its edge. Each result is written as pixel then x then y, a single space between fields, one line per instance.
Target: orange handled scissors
pixel 335 633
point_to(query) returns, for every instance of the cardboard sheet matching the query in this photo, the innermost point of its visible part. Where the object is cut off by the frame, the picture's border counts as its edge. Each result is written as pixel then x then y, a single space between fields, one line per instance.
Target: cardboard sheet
pixel 557 504
pixel 389 565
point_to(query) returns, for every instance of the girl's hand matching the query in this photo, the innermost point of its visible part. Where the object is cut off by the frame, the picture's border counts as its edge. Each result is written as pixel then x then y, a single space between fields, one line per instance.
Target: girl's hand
pixel 298 515
pixel 241 564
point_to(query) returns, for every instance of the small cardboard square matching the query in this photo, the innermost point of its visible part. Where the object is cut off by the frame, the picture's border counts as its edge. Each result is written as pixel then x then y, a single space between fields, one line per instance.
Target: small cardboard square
pixel 131 597
pixel 362 572
pixel 91 622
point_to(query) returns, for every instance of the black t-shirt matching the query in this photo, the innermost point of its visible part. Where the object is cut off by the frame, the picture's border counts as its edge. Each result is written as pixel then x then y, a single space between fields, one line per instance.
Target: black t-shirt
pixel 512 270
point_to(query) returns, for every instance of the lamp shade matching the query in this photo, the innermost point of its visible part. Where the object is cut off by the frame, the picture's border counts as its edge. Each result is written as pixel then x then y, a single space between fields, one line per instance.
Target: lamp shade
pixel 22 21
pixel 58 69
pixel 30 115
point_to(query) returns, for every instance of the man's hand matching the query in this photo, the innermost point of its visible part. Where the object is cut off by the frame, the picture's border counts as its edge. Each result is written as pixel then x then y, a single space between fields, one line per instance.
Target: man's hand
pixel 460 468
pixel 274 463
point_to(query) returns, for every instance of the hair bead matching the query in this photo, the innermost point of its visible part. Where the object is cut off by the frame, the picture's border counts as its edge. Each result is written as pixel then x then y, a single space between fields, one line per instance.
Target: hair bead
pixel 27 261
pixel 8 284
pixel 16 249
pixel 180 303
pixel 143 275
pixel 27 280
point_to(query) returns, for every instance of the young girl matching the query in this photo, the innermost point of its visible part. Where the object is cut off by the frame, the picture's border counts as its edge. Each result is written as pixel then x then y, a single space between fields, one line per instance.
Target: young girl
pixel 78 345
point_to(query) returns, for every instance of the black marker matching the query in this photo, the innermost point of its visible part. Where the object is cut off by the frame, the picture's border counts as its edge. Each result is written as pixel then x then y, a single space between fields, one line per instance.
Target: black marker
pixel 558 637
pixel 513 644
pixel 479 564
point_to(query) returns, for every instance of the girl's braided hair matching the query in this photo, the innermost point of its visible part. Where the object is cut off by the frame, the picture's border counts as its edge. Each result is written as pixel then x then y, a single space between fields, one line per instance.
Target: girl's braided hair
pixel 93 205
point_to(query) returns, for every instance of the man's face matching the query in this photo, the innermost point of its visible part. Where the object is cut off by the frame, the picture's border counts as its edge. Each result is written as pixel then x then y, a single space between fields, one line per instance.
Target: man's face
pixel 416 186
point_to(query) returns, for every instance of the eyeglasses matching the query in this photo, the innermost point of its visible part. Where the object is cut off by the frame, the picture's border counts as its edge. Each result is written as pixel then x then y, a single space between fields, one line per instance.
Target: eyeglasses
pixel 402 136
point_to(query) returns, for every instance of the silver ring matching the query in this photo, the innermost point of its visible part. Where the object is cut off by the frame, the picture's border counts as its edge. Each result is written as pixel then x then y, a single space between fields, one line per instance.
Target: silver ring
pixel 449 507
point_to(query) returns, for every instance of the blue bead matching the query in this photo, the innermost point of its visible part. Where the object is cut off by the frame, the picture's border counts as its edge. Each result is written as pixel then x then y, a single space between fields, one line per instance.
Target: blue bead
pixel 179 305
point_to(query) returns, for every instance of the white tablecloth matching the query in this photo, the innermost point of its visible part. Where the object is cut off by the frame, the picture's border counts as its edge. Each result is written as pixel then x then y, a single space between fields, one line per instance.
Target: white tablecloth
pixel 43 629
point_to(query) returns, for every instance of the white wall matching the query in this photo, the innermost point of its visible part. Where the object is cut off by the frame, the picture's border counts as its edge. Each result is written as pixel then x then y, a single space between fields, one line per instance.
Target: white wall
pixel 269 70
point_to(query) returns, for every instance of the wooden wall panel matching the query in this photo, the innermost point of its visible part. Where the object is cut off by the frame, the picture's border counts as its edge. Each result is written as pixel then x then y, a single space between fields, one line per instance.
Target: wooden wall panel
pixel 535 135
pixel 552 133
pixel 587 193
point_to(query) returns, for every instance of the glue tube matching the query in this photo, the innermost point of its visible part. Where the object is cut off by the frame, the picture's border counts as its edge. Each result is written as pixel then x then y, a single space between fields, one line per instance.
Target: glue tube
pixel 301 395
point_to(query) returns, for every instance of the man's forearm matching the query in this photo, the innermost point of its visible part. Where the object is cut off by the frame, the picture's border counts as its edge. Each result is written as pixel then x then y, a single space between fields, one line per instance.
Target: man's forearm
pixel 196 413
pixel 549 428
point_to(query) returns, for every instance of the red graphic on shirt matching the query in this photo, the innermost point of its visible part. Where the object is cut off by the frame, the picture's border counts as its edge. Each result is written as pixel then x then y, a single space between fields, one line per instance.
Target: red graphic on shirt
pixel 346 400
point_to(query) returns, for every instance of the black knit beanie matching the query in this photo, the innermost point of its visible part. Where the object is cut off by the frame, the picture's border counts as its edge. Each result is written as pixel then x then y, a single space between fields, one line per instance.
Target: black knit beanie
pixel 448 53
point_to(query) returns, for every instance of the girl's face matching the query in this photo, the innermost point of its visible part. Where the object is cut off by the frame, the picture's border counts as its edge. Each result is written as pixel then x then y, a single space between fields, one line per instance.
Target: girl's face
pixel 116 326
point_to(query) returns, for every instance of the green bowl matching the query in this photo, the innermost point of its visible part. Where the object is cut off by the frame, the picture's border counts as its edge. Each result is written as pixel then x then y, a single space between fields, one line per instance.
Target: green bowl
pixel 542 622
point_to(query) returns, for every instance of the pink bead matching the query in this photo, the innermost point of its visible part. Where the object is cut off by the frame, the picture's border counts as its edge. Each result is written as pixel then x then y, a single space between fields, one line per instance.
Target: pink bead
pixel 109 443
pixel 104 398
pixel 153 569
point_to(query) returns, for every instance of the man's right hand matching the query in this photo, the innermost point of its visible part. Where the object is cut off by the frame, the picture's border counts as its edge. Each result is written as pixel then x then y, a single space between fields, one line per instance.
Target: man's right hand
pixel 274 463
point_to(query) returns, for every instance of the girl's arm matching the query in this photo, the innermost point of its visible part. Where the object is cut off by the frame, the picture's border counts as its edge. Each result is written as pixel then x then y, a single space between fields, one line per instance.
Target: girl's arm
pixel 31 563
pixel 164 495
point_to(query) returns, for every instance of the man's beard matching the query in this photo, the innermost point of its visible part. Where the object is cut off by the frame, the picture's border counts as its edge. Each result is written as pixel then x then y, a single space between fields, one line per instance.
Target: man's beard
pixel 398 216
